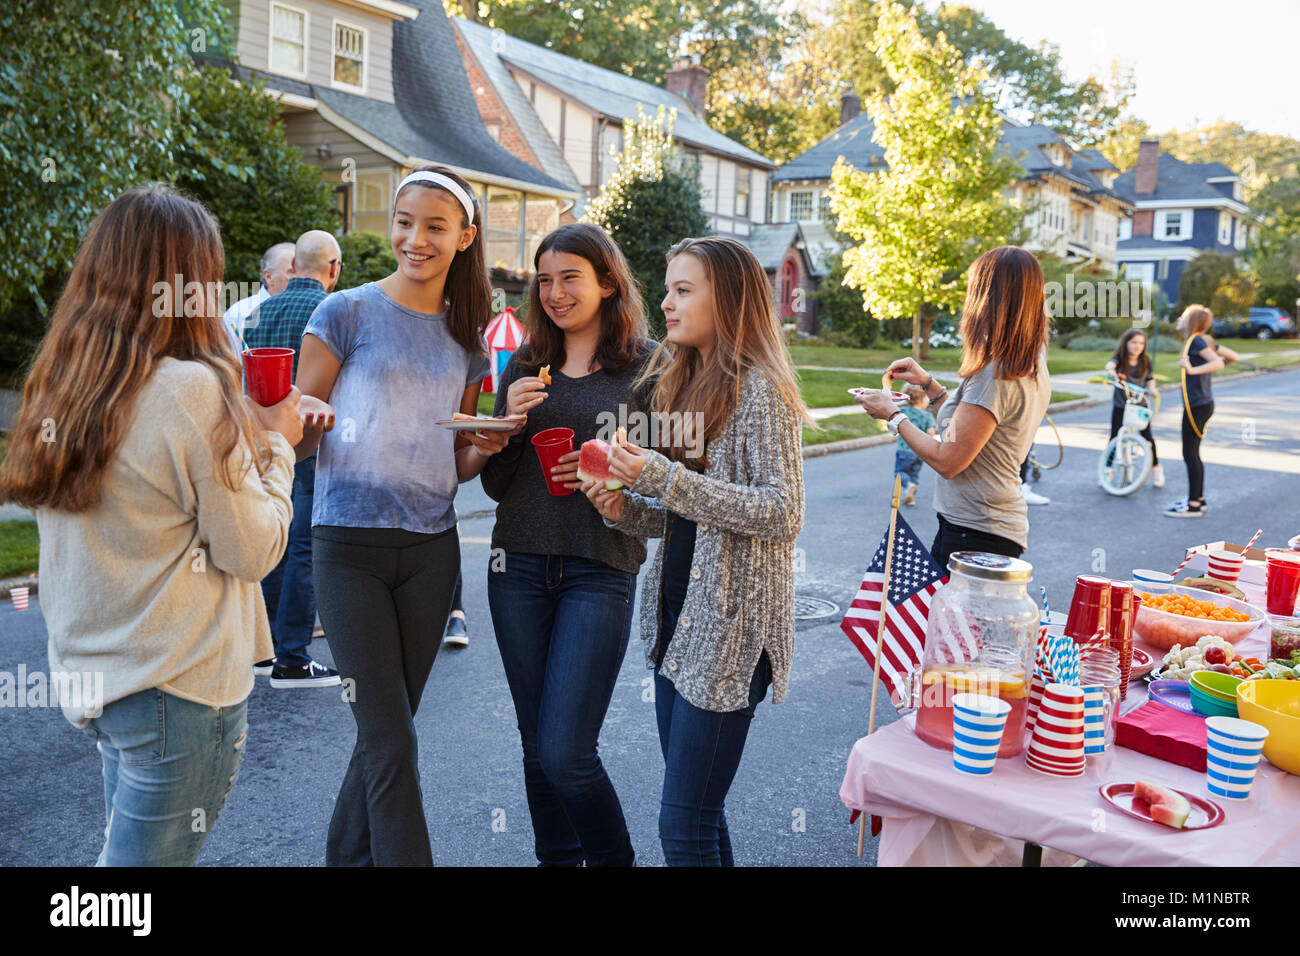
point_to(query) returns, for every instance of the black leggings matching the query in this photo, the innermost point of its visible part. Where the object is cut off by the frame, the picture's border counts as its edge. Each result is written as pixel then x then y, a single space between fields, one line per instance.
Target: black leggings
pixel 1192 449
pixel 952 537
pixel 1117 419
pixel 384 596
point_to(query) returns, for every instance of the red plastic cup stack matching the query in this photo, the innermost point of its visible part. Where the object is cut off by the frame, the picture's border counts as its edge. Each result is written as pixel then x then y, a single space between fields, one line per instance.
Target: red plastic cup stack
pixel 1089 608
pixel 1056 744
pixel 1123 610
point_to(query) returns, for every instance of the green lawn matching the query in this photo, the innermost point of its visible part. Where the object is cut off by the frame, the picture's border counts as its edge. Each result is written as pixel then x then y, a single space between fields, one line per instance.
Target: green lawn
pixel 19 548
pixel 840 427
pixel 1059 361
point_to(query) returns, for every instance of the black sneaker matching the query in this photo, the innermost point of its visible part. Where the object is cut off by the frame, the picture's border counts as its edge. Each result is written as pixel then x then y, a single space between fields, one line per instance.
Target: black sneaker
pixel 263 668
pixel 1186 509
pixel 310 675
pixel 457 634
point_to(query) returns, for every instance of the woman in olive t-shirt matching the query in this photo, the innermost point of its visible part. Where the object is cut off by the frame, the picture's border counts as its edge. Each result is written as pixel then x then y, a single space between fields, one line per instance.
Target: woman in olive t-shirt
pixel 988 424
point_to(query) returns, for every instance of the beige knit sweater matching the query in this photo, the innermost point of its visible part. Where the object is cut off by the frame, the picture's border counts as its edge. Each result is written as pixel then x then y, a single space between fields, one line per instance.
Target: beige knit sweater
pixel 159 584
pixel 748 507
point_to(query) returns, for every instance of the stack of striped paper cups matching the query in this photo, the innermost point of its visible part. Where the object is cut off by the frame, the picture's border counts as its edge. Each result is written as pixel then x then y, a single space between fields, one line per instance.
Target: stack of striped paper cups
pixel 1056 744
pixel 1233 749
pixel 977 725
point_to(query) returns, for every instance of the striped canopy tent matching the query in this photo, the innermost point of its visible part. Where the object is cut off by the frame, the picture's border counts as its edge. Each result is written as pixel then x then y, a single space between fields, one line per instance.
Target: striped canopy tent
pixel 504 334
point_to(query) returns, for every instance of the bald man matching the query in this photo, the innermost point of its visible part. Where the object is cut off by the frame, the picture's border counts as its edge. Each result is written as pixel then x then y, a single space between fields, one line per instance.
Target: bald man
pixel 290 600
pixel 276 269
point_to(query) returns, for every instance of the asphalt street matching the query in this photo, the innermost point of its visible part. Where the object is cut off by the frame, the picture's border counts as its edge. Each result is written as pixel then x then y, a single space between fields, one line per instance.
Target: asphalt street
pixel 784 807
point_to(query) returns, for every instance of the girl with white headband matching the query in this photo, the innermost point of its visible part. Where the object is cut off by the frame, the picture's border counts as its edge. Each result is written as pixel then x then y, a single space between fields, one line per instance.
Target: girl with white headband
pixel 392 357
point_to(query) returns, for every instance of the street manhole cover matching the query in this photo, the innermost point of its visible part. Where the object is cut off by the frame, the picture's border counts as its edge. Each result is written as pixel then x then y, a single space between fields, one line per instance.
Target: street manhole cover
pixel 810 608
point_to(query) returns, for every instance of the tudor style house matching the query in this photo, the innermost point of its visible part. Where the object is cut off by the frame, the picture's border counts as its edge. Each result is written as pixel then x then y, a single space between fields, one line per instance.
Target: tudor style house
pixel 1182 210
pixel 1074 211
pixel 566 117
pixel 368 96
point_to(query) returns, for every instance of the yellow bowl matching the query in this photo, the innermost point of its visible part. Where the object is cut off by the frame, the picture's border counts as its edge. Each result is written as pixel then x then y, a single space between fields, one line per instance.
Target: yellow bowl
pixel 1274 704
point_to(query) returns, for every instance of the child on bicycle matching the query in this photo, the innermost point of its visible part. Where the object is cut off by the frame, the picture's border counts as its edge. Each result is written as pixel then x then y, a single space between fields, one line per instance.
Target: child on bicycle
pixel 905 461
pixel 1132 363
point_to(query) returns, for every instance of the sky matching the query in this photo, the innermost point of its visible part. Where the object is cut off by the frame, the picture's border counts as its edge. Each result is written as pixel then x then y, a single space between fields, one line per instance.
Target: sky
pixel 1194 60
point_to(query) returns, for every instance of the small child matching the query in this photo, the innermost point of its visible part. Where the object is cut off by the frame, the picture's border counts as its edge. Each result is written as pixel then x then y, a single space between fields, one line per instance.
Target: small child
pixel 905 461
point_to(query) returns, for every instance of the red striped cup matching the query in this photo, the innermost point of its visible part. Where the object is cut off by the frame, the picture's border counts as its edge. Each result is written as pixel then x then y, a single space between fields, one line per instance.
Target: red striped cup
pixel 19 597
pixel 1226 565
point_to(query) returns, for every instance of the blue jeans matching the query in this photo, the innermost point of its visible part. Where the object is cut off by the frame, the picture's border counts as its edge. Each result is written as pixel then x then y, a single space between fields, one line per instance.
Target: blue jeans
pixel 562 624
pixel 169 767
pixel 908 465
pixel 702 750
pixel 290 598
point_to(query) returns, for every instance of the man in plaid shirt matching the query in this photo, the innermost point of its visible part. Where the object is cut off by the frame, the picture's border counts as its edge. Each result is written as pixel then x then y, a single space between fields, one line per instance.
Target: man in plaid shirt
pixel 290 600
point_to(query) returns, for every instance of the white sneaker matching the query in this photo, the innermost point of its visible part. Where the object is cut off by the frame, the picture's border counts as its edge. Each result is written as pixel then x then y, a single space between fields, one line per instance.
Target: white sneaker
pixel 1157 476
pixel 1032 497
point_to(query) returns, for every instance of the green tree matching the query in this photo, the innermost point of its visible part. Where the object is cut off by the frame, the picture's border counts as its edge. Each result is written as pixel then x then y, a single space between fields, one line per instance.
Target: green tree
pixel 841 312
pixel 939 202
pixel 1275 253
pixel 1028 82
pixel 93 100
pixel 1213 279
pixel 235 159
pixel 649 203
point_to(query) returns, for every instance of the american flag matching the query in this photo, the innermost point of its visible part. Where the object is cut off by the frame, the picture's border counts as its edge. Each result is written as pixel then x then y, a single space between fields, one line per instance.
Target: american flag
pixel 914 580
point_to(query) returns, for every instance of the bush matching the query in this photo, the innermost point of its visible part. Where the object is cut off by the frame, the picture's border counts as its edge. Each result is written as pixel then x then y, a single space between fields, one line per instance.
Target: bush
pixel 1091 343
pixel 841 316
pixel 367 257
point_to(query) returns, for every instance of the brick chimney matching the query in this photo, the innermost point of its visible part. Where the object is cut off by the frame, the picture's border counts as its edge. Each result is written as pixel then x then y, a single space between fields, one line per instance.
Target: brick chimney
pixel 690 80
pixel 1144 183
pixel 850 106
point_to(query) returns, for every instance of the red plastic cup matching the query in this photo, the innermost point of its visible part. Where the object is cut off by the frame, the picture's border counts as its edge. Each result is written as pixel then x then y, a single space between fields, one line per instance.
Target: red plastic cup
pixel 1282 577
pixel 551 445
pixel 269 373
pixel 1123 611
pixel 1089 608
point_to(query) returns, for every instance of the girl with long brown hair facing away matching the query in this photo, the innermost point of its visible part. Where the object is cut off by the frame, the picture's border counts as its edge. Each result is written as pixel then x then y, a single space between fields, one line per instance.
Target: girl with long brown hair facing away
pixel 561 585
pixel 394 357
pixel 163 498
pixel 1201 357
pixel 988 424
pixel 724 489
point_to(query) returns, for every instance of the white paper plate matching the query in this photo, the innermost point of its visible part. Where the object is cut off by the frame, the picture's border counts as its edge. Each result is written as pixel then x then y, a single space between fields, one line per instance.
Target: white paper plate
pixel 478 424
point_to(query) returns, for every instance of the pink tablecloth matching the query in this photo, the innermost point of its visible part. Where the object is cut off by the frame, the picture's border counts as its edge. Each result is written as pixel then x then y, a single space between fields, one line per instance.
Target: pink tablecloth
pixel 913 786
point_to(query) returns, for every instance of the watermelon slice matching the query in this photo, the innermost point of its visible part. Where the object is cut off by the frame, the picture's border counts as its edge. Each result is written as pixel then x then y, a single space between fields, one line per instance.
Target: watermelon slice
pixel 593 464
pixel 1167 806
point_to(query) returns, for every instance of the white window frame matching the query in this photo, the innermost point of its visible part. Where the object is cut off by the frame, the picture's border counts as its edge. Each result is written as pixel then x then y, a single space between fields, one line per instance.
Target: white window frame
pixel 1125 228
pixel 1144 272
pixel 365 55
pixel 743 175
pixel 1160 230
pixel 306 40
pixel 1239 237
pixel 790 204
pixel 1225 228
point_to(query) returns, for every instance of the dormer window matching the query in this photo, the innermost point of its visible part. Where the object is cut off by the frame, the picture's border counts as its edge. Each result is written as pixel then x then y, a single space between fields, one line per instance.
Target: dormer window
pixel 1173 224
pixel 288 40
pixel 349 55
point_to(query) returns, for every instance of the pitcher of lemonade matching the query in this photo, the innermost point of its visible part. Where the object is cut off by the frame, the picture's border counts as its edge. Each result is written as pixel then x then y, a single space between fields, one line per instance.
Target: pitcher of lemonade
pixel 979 639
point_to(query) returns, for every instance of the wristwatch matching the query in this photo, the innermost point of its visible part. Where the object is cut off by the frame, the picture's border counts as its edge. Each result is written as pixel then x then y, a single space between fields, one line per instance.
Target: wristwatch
pixel 894 423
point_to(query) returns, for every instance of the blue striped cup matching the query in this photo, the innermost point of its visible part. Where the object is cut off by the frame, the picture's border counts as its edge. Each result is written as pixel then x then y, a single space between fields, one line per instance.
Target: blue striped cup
pixel 977 725
pixel 1094 719
pixel 1232 750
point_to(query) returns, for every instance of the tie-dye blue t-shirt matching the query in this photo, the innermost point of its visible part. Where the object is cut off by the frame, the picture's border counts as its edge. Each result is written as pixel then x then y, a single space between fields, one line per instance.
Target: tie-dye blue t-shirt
pixel 386 464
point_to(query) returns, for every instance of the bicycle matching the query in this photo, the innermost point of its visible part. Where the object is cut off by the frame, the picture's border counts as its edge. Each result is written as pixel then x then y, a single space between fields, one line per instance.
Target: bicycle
pixel 1125 462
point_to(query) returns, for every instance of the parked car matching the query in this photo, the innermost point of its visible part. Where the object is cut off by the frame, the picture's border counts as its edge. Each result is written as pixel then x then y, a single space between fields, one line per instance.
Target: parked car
pixel 1264 323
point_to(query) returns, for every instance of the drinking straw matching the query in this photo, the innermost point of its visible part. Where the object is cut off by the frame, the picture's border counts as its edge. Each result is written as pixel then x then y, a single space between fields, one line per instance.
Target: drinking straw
pixel 1046 611
pixel 1254 539
pixel 1191 553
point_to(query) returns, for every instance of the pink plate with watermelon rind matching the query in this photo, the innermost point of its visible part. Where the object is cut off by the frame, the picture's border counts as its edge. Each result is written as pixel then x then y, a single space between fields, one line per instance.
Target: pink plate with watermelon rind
pixel 1205 813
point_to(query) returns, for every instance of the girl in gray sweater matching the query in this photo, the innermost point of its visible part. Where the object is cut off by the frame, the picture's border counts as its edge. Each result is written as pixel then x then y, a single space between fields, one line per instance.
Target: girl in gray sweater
pixel 724 489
